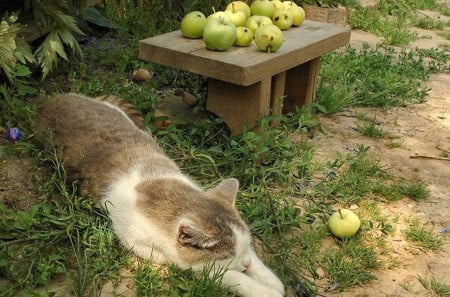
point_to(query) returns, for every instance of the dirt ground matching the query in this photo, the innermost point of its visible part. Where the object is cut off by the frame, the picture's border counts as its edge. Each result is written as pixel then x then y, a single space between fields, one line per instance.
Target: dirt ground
pixel 421 129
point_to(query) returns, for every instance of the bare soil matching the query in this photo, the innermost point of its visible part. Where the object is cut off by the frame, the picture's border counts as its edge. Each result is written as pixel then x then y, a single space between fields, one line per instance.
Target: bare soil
pixel 420 130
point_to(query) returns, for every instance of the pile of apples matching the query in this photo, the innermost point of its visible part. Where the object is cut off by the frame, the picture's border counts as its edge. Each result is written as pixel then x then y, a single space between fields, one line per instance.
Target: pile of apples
pixel 240 24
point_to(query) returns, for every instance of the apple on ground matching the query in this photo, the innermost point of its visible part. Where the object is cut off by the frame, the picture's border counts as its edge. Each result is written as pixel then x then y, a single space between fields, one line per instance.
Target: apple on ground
pixel 344 223
pixel 262 7
pixel 298 15
pixel 244 36
pixel 239 5
pixel 219 33
pixel 255 21
pixel 192 24
pixel 282 18
pixel 238 17
pixel 268 38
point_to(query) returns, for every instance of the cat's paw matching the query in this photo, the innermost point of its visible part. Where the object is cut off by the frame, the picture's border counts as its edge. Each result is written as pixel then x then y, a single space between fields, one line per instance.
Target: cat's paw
pixel 266 291
pixel 267 278
pixel 275 283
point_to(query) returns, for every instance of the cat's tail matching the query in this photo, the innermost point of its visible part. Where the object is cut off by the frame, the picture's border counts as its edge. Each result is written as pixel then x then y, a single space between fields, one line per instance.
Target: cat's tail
pixel 131 111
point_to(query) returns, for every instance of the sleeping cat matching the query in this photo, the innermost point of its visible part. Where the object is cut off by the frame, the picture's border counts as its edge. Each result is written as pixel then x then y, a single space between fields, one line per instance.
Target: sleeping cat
pixel 156 210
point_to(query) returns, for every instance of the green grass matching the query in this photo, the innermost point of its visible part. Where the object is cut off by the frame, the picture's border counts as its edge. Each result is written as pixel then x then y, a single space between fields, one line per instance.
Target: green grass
pixel 437 287
pixel 423 236
pixel 351 264
pixel 377 77
pixel 391 20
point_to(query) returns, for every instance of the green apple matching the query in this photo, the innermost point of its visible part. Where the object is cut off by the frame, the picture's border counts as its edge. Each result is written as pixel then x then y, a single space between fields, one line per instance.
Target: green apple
pixel 244 36
pixel 219 33
pixel 217 14
pixel 277 4
pixel 238 17
pixel 192 24
pixel 282 18
pixel 262 7
pixel 287 4
pixel 344 223
pixel 298 14
pixel 268 38
pixel 239 5
pixel 255 21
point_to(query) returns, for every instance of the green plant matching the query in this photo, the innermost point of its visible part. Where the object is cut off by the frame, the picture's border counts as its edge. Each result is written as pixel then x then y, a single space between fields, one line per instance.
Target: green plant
pixel 438 287
pixel 14 52
pixel 423 236
pixel 352 263
pixel 376 77
pixel 51 17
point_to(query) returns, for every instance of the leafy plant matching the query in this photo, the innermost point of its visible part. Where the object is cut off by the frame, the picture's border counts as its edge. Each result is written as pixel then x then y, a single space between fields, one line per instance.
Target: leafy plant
pixel 49 16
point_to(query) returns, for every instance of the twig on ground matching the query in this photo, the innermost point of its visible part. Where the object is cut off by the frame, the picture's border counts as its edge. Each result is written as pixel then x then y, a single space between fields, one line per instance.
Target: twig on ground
pixel 429 157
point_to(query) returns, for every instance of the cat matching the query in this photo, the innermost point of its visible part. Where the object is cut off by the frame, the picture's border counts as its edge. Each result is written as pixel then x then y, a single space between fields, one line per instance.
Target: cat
pixel 156 211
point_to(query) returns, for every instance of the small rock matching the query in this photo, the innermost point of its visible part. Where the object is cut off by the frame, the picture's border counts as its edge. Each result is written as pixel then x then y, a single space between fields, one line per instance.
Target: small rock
pixel 354 207
pixel 188 99
pixel 161 119
pixel 141 75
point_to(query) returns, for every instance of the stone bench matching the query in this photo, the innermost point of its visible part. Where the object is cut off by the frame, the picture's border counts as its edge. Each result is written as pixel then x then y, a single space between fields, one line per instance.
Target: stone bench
pixel 245 84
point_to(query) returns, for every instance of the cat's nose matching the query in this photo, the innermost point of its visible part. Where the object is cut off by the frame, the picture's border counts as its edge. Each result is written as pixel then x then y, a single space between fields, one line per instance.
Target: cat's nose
pixel 246 263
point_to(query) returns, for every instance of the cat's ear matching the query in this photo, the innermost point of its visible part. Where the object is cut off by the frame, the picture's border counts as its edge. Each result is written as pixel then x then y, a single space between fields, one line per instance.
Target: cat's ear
pixel 189 233
pixel 227 190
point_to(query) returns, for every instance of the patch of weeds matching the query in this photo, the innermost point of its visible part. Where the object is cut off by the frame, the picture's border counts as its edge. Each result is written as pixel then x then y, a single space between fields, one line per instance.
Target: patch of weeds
pixel 438 287
pixel 393 144
pixel 423 236
pixel 148 280
pixel 376 77
pixel 429 23
pixel 63 236
pixel 351 264
pixel 205 283
pixel 15 111
pixel 434 5
pixel 389 21
pixel 445 34
pixel 371 129
pixel 352 178
pixel 373 219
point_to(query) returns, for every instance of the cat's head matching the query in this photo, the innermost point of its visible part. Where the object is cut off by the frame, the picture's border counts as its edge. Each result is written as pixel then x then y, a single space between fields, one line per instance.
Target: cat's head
pixel 205 226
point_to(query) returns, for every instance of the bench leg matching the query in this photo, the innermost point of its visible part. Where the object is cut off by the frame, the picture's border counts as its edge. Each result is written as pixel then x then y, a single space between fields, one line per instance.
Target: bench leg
pixel 277 96
pixel 239 106
pixel 301 85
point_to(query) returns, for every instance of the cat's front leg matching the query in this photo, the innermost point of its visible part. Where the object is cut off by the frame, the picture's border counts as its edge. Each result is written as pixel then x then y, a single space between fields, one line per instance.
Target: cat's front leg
pixel 247 286
pixel 260 272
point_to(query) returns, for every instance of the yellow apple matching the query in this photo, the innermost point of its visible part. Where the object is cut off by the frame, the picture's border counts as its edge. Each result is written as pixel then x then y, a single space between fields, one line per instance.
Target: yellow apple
pixel 344 223
pixel 282 18
pixel 255 21
pixel 238 17
pixel 268 38
pixel 239 5
pixel 262 7
pixel 192 24
pixel 298 14
pixel 244 36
